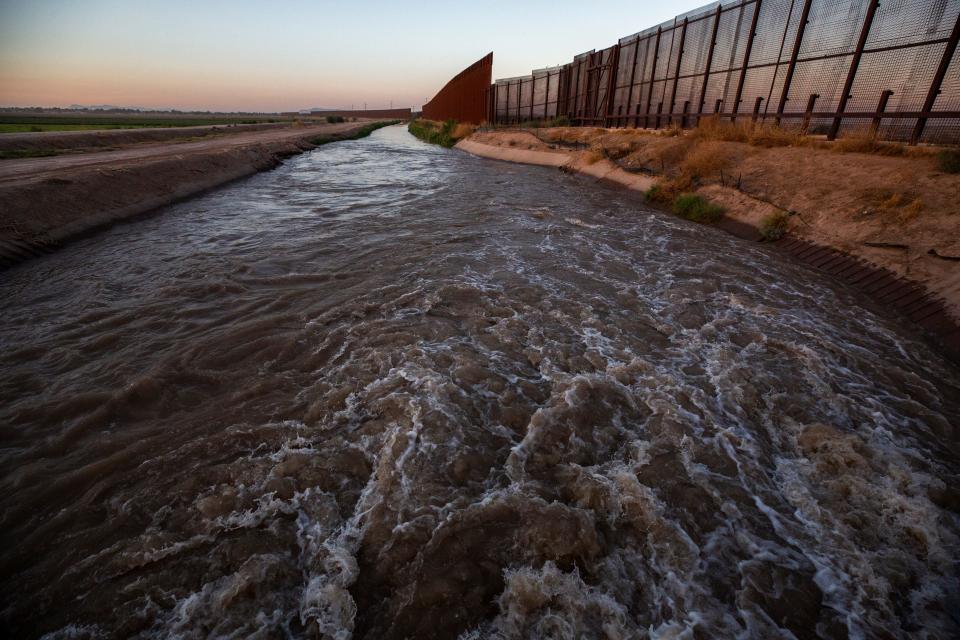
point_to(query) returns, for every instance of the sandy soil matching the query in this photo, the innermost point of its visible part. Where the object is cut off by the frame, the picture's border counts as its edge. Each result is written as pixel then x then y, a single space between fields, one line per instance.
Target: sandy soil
pixel 900 213
pixel 44 201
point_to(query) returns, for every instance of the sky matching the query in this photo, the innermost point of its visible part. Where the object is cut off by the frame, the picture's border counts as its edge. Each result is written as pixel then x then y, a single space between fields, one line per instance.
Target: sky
pixel 287 55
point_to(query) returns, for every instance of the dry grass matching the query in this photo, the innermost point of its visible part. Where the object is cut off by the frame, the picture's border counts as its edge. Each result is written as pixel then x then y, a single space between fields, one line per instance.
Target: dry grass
pixel 715 129
pixel 749 132
pixel 463 130
pixel 705 159
pixel 894 207
pixel 594 155
pixel 868 144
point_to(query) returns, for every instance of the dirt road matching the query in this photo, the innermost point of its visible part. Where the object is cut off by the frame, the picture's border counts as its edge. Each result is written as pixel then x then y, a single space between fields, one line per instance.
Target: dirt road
pixel 39 169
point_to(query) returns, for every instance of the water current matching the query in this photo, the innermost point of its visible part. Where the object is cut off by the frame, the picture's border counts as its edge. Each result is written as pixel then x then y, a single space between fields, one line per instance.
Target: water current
pixel 390 390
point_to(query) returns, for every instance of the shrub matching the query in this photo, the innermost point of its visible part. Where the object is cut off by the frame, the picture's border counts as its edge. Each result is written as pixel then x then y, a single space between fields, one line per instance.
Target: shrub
pixel 775 225
pixel 706 158
pixel 594 155
pixel 656 193
pixel 336 119
pixel 434 132
pixel 696 208
pixel 948 160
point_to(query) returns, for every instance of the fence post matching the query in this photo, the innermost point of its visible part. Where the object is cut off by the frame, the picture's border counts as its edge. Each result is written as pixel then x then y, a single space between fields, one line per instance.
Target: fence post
pixel 611 84
pixel 804 18
pixel 533 92
pixel 576 95
pixel 706 71
pixel 937 83
pixel 716 107
pixel 756 108
pixel 633 77
pixel 676 75
pixel 653 75
pixel 881 107
pixel 519 99
pixel 686 110
pixel 854 65
pixel 808 114
pixel 546 99
pixel 746 60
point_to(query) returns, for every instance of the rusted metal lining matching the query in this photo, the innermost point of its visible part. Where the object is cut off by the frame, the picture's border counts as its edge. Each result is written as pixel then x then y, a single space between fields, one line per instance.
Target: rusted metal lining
pixel 908 297
pixel 466 96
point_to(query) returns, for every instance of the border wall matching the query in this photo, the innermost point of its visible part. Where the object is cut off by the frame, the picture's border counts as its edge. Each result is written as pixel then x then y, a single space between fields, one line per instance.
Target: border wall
pixel 392 114
pixel 465 97
pixel 828 67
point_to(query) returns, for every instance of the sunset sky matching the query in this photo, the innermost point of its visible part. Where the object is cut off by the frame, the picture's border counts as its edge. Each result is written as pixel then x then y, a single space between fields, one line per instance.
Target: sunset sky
pixel 238 55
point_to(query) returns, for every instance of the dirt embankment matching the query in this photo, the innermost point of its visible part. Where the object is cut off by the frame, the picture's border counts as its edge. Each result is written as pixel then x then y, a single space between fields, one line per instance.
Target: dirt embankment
pixel 59 141
pixel 44 201
pixel 892 207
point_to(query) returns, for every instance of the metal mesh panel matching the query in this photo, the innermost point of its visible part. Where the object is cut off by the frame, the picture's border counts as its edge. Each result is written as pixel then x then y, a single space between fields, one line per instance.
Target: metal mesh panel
pixel 526 99
pixel 539 95
pixel 833 27
pixel 756 85
pixel 900 22
pixel 696 46
pixel 688 91
pixel 625 69
pixel 824 77
pixel 947 130
pixel 664 53
pixel 720 86
pixel 728 54
pixel 906 72
pixel 949 98
pixel 771 27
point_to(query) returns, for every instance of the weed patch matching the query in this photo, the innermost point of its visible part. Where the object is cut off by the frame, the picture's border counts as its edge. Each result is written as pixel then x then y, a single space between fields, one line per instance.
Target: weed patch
pixel 696 208
pixel 948 160
pixel 13 154
pixel 775 225
pixel 435 132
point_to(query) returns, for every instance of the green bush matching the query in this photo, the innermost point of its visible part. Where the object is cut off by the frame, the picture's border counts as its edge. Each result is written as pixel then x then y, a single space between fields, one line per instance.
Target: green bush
pixel 429 132
pixel 656 193
pixel 948 161
pixel 336 119
pixel 693 207
pixel 774 226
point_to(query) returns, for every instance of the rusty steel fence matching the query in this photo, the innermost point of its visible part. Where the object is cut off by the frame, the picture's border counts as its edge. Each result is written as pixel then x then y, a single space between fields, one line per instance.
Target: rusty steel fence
pixel 465 98
pixel 833 67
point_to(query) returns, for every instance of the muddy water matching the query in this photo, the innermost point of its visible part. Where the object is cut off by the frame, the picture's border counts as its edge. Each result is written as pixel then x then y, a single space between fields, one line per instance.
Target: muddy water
pixel 392 391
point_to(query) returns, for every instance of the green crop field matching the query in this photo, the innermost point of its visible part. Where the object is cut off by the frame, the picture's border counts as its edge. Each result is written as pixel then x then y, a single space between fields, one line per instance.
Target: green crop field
pixel 18 123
